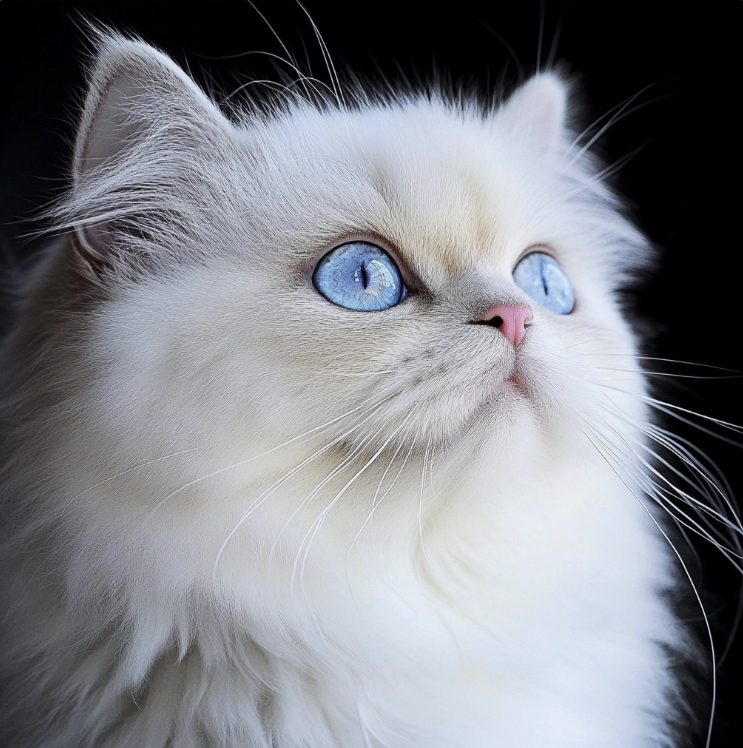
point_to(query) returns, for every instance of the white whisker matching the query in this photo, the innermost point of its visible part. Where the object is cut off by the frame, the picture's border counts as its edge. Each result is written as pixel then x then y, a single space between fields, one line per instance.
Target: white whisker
pixel 420 500
pixel 335 80
pixel 622 110
pixel 286 89
pixel 375 503
pixel 670 410
pixel 670 375
pixel 659 494
pixel 669 361
pixel 289 60
pixel 126 472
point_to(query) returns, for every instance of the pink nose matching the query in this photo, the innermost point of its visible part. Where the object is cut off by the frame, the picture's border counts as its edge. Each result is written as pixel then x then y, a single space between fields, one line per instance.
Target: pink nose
pixel 510 319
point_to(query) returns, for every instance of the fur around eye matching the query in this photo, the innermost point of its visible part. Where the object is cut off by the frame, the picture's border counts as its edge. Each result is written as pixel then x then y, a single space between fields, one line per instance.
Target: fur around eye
pixel 546 282
pixel 359 276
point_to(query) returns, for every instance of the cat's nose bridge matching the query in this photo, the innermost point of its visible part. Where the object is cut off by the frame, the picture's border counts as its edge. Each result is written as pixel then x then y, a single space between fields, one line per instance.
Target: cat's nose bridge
pixel 509 319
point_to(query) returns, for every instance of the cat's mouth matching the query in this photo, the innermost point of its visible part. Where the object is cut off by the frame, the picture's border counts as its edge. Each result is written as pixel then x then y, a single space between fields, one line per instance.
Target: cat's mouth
pixel 516 381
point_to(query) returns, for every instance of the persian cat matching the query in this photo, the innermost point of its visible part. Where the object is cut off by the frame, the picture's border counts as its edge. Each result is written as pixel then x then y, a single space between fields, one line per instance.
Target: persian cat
pixel 314 434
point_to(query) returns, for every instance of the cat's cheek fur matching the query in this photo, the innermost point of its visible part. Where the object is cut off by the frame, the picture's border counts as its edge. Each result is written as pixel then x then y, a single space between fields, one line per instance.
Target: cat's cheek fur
pixel 242 516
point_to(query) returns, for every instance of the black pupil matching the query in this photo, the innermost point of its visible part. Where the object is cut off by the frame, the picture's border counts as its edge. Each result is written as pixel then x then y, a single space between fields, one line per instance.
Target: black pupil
pixel 544 282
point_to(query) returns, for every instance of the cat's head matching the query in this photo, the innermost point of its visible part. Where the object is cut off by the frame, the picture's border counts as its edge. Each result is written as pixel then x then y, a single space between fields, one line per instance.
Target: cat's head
pixel 382 274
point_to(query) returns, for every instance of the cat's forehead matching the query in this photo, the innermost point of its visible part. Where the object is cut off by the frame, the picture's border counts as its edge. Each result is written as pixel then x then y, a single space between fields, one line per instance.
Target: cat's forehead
pixel 449 189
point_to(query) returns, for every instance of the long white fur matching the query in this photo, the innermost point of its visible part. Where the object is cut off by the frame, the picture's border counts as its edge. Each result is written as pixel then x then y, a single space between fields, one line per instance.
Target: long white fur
pixel 237 515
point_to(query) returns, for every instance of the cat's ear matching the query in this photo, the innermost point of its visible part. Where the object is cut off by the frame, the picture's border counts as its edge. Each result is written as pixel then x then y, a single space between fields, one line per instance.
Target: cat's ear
pixel 141 110
pixel 535 113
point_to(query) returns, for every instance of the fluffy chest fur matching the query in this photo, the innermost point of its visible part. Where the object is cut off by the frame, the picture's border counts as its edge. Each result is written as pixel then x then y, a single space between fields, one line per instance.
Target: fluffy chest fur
pixel 242 514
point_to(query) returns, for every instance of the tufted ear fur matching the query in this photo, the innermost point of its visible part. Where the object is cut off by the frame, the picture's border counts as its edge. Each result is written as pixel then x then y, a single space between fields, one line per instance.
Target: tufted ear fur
pixel 535 112
pixel 142 118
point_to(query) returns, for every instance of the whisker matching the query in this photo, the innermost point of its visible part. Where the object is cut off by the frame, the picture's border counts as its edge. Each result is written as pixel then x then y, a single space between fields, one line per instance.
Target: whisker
pixel 669 408
pixel 317 488
pixel 336 471
pixel 616 109
pixel 604 174
pixel 671 375
pixel 556 38
pixel 126 472
pixel 681 448
pixel 376 504
pixel 289 60
pixel 658 493
pixel 361 373
pixel 621 112
pixel 335 80
pixel 717 481
pixel 368 519
pixel 540 41
pixel 711 484
pixel 635 357
pixel 509 49
pixel 286 89
pixel 420 500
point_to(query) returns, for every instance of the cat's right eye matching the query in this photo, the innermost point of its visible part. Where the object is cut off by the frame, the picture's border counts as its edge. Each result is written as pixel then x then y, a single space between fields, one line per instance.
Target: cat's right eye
pixel 541 276
pixel 360 276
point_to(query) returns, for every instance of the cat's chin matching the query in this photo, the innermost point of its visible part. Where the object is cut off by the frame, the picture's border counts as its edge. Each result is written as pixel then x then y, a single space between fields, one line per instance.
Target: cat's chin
pixel 512 384
pixel 506 402
pixel 516 385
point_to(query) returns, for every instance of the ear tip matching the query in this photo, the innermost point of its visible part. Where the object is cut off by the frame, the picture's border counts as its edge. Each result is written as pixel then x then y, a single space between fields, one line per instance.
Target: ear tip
pixel 129 81
pixel 536 112
pixel 116 53
pixel 550 86
pixel 114 56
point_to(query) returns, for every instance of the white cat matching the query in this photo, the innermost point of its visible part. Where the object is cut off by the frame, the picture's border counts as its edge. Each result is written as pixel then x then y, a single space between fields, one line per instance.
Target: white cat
pixel 316 438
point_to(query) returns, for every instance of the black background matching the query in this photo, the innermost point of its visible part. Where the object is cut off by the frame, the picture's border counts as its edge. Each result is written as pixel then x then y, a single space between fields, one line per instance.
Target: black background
pixel 683 184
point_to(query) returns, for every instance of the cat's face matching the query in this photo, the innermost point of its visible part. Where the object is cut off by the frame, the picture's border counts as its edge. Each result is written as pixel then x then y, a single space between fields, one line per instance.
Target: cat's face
pixel 224 332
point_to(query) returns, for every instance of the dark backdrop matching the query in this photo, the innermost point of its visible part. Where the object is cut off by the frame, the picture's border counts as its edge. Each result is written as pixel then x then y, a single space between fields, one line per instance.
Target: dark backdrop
pixel 683 183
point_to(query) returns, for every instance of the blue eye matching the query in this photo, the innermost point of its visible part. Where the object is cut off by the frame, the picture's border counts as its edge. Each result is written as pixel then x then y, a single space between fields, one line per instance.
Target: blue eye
pixel 545 281
pixel 359 276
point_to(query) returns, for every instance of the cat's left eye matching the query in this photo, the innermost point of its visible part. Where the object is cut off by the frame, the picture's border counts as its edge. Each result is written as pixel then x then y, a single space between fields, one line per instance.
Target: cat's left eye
pixel 542 277
pixel 360 276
